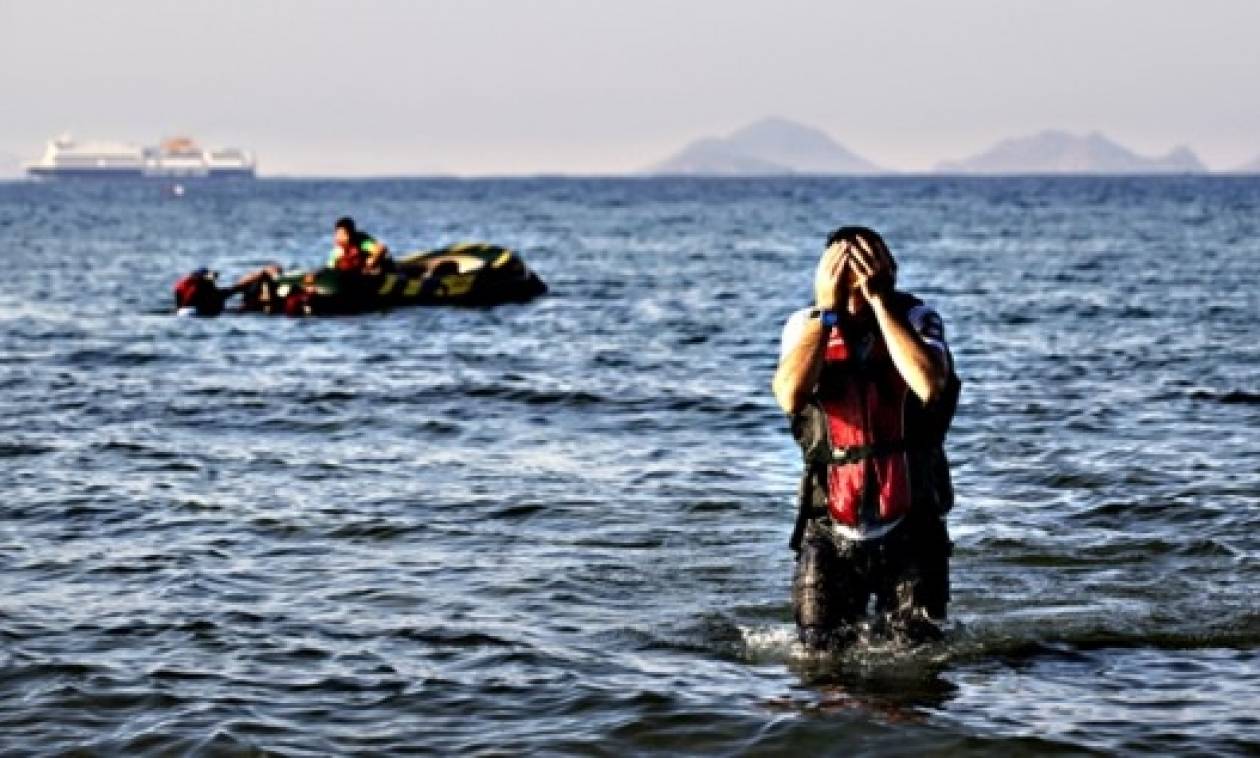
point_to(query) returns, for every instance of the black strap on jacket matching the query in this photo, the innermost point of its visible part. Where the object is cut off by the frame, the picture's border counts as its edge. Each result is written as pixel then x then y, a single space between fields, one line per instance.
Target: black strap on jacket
pixel 802 513
pixel 838 456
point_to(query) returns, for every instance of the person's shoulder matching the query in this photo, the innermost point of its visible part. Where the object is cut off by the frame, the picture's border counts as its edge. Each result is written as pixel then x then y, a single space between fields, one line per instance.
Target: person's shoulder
pixel 793 327
pixel 906 300
pixel 913 305
pixel 796 318
pixel 923 318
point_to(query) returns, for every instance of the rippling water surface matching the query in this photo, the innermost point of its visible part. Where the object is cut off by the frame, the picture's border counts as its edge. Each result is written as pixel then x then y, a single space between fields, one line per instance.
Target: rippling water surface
pixel 562 527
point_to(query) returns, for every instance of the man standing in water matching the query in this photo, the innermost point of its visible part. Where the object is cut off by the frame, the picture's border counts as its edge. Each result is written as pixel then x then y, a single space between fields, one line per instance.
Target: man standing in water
pixel 868 382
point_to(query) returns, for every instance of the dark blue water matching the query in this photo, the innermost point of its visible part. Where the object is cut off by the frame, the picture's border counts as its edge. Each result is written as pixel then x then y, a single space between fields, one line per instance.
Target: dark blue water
pixel 561 527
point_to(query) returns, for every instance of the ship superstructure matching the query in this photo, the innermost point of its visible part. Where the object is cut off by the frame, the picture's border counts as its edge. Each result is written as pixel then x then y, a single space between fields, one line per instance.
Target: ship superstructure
pixel 176 157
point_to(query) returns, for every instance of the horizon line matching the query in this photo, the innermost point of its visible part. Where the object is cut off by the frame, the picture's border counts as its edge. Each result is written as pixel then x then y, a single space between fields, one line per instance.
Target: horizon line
pixel 637 175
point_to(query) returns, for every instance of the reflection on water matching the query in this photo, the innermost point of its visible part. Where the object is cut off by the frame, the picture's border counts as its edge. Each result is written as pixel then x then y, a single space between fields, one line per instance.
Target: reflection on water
pixel 562 527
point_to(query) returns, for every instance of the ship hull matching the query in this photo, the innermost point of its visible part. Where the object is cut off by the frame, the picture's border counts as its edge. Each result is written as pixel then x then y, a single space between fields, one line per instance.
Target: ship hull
pixel 131 173
pixel 85 173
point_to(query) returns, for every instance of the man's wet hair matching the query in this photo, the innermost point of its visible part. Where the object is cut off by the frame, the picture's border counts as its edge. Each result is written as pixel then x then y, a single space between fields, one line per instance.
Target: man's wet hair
pixel 345 222
pixel 852 234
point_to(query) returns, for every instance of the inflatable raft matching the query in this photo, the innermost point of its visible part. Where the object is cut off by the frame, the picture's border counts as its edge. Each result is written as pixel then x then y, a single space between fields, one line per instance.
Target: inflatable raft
pixel 472 274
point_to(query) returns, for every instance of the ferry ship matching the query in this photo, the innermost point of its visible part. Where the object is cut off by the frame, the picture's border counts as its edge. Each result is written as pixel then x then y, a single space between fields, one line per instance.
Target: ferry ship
pixel 174 158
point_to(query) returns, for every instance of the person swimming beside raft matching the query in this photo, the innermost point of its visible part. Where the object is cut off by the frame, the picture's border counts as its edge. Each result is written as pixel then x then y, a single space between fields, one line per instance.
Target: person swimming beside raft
pixel 199 294
pixel 868 383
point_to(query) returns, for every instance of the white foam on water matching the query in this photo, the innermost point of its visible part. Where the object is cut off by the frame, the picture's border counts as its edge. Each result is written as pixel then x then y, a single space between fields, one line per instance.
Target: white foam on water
pixel 770 642
pixel 870 649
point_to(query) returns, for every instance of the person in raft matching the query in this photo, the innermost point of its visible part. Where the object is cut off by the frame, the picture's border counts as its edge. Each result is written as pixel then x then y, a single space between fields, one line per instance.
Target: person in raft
pixel 357 251
pixel 869 385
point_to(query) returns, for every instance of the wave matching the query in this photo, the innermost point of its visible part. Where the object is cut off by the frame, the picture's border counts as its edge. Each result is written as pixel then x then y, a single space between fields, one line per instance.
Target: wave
pixel 1230 397
pixel 965 645
pixel 19 449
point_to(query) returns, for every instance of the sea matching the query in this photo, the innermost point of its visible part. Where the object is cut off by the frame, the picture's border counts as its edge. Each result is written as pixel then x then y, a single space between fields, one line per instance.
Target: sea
pixel 560 528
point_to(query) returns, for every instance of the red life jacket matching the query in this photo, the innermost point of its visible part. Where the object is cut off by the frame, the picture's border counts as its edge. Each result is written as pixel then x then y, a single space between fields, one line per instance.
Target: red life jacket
pixel 351 259
pixel 199 291
pixel 873 451
pixel 186 290
pixel 864 400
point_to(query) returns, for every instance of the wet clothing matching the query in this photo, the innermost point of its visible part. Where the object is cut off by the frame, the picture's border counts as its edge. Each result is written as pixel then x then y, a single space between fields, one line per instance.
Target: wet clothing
pixel 906 570
pixel 875 486
pixel 362 246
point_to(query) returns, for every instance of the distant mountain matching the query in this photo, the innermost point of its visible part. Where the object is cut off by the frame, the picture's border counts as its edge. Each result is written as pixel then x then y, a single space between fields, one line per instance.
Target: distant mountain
pixel 1059 152
pixel 1248 168
pixel 712 155
pixel 767 147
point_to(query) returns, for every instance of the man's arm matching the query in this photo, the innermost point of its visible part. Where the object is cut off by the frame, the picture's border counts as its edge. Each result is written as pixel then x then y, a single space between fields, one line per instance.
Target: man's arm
pixel 800 364
pixel 923 368
pixel 376 252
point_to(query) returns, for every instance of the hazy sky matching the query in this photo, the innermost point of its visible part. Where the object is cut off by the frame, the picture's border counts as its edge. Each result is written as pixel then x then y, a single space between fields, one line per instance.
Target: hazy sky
pixel 496 86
